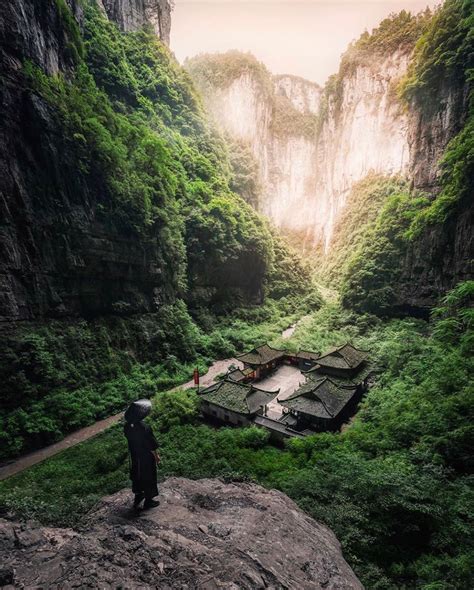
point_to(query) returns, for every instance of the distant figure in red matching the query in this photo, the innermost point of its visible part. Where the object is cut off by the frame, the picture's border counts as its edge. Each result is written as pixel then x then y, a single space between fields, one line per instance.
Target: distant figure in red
pixel 142 446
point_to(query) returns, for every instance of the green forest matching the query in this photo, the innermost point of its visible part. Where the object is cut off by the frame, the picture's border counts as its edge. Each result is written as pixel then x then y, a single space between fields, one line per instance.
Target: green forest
pixel 396 485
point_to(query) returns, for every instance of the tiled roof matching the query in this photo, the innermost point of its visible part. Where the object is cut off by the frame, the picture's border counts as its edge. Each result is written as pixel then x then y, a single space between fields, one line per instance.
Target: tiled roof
pixel 314 376
pixel 276 426
pixel 343 357
pixel 236 375
pixel 307 355
pixel 237 397
pixel 321 398
pixel 261 355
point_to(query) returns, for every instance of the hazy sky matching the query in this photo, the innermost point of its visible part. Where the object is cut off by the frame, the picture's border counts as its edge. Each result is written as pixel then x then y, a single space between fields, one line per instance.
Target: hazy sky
pixel 303 37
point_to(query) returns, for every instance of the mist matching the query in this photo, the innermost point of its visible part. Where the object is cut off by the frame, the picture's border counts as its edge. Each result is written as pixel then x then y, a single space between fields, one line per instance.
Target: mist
pixel 299 38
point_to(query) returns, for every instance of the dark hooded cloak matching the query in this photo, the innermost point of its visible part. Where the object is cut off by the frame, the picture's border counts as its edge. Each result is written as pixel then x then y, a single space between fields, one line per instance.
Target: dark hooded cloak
pixel 141 443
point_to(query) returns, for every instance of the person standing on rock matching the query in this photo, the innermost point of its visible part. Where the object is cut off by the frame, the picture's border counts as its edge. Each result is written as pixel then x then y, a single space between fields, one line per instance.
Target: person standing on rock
pixel 144 457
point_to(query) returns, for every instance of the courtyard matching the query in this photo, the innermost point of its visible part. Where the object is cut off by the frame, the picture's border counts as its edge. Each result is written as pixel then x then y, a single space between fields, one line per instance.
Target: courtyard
pixel 287 379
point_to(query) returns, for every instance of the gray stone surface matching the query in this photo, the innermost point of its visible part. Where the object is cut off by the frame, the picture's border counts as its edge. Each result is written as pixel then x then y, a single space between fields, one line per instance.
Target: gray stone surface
pixel 130 15
pixel 205 534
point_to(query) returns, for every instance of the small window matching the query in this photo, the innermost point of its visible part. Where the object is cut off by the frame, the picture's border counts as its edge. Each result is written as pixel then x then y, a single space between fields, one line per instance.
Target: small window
pixel 213 412
pixel 226 417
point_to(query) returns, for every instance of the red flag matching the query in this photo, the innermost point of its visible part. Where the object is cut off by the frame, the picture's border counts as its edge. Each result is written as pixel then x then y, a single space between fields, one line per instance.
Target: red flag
pixel 196 376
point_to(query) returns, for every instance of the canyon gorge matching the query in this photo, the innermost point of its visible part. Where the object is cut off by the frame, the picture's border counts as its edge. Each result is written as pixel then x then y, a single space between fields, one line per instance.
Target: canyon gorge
pixel 156 217
pixel 312 145
pixel 308 164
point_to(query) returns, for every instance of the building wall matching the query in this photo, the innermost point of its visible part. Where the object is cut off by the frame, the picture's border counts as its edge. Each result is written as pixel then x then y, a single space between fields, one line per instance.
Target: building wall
pixel 218 413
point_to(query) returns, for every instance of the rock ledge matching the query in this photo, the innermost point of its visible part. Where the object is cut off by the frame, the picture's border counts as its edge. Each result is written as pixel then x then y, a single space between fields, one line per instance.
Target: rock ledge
pixel 205 534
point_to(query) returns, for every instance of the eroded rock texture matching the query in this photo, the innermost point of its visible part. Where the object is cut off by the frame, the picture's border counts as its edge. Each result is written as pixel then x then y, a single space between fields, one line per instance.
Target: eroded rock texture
pixel 130 15
pixel 205 534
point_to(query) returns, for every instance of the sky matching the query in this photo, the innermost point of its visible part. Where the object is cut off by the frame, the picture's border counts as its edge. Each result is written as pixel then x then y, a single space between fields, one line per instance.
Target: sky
pixel 300 37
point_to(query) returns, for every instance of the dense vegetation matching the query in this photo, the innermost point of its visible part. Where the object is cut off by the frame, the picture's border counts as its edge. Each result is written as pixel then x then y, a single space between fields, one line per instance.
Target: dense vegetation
pixel 212 71
pixel 359 215
pixel 372 272
pixel 129 118
pixel 403 513
pixel 444 59
pixel 245 177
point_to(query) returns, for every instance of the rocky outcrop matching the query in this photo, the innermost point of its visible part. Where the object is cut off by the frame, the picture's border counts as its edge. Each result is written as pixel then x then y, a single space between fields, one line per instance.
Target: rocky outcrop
pixel 205 534
pixel 130 15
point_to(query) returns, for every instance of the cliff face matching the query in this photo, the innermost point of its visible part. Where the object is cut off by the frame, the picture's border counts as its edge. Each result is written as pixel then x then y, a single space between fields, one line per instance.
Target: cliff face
pixel 443 254
pixel 130 15
pixel 205 534
pixel 307 171
pixel 365 130
pixel 56 257
pixel 275 118
pixel 305 96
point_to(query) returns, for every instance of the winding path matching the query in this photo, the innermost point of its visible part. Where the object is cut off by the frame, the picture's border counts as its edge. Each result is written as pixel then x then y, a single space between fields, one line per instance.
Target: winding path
pixel 13 467
pixel 26 461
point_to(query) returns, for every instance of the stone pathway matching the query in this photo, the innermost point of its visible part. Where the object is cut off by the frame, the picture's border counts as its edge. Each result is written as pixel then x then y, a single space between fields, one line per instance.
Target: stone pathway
pixel 288 333
pixel 31 459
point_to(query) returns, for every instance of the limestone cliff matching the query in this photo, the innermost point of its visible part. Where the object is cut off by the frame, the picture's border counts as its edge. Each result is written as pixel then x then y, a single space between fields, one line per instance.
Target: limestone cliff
pixel 313 145
pixel 305 96
pixel 205 534
pixel 130 15
pixel 56 257
pixel 443 254
pixel 364 129
pixel 276 117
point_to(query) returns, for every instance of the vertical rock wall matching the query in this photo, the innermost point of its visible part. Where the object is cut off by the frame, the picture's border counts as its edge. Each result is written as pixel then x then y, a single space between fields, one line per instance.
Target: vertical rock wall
pixel 365 130
pixel 306 176
pixel 133 14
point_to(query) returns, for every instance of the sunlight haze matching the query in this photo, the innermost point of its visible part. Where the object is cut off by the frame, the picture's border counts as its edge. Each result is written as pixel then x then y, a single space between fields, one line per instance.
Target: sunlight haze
pixel 304 38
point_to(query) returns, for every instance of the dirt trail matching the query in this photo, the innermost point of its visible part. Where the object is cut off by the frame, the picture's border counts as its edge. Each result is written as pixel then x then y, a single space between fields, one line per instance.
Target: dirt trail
pixel 26 461
pixel 83 434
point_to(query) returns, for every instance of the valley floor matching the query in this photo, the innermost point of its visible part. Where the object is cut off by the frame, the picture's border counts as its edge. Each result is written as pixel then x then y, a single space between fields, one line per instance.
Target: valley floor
pixel 286 380
pixel 394 486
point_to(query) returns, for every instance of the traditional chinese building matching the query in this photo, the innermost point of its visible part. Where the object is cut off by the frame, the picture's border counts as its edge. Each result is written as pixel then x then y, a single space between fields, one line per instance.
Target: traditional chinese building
pixel 235 403
pixel 320 405
pixel 305 359
pixel 262 360
pixel 344 362
pixel 240 375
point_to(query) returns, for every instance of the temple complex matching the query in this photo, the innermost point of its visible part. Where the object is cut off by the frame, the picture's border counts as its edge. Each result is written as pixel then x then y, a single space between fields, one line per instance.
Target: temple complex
pixel 334 383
